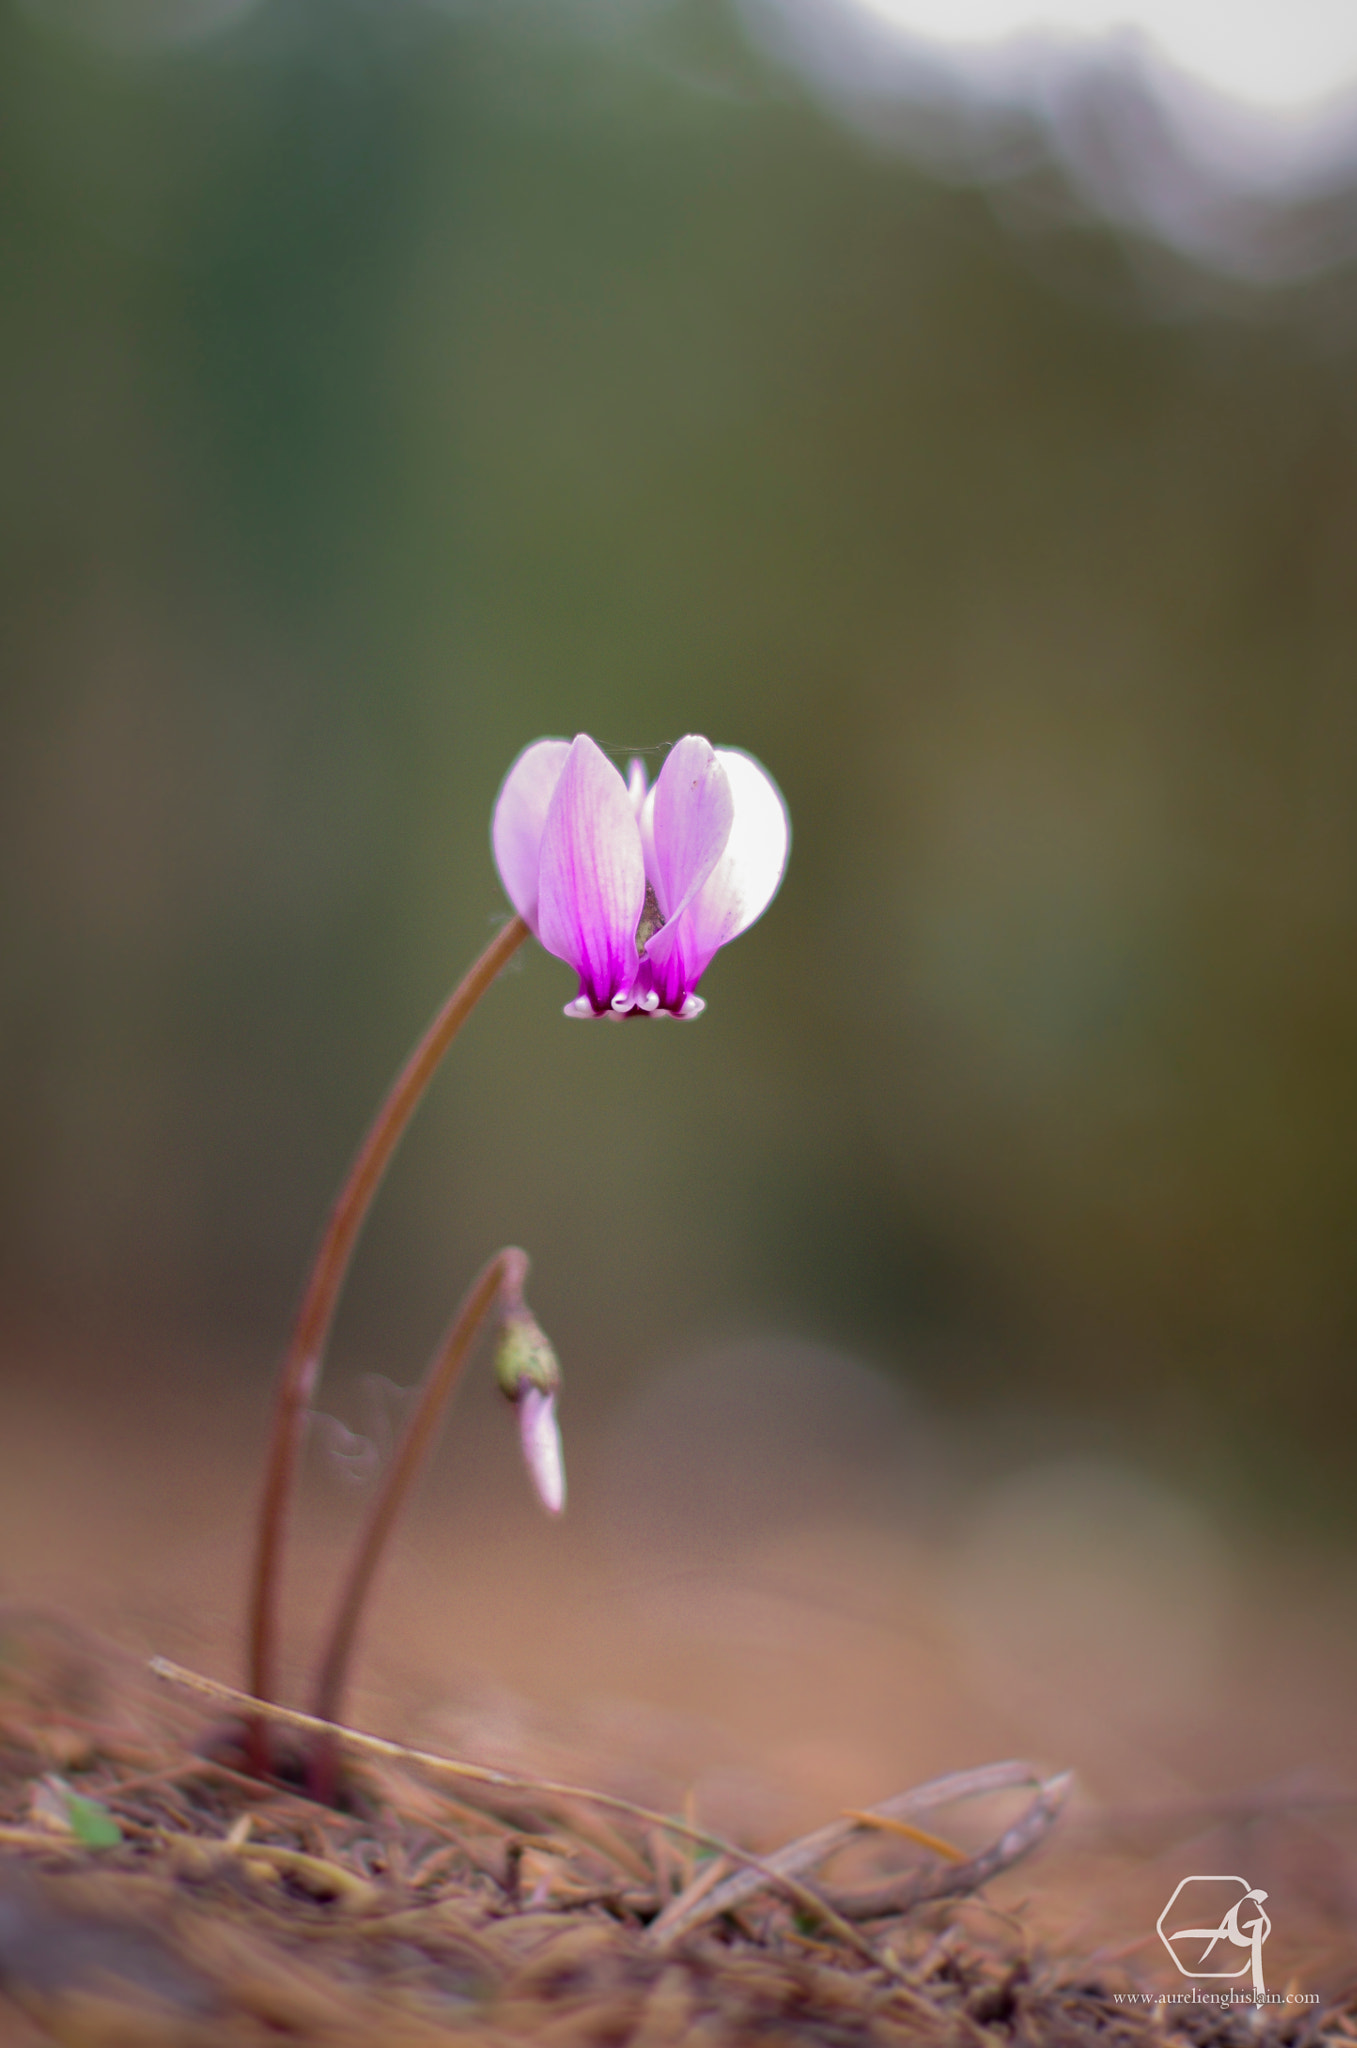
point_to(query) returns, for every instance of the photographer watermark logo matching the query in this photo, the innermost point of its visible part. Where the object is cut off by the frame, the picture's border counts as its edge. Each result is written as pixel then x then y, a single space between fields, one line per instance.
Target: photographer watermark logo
pixel 1208 1920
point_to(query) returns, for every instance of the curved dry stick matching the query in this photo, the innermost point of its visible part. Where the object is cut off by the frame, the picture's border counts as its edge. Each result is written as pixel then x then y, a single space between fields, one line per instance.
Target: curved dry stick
pixel 810 1850
pixel 505 1276
pixel 301 1366
pixel 954 1880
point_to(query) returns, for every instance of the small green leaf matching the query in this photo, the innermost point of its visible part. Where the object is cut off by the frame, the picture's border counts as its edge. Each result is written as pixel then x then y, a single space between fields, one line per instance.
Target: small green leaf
pixel 91 1823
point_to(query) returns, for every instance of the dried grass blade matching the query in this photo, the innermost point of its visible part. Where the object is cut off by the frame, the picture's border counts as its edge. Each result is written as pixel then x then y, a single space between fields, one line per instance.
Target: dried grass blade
pixel 706 1881
pixel 762 1873
pixel 884 1824
pixel 355 1894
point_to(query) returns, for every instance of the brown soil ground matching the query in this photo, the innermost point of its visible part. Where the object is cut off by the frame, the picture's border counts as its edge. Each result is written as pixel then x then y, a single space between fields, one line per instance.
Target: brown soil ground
pixel 763 1668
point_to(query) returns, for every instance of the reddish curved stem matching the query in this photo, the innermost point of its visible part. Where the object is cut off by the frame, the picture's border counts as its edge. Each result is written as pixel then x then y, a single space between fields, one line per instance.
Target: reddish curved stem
pixel 301 1366
pixel 504 1276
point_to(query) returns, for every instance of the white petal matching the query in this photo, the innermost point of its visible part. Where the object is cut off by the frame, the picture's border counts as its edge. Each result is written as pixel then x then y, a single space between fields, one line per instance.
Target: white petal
pixel 755 858
pixel 690 822
pixel 739 888
pixel 520 819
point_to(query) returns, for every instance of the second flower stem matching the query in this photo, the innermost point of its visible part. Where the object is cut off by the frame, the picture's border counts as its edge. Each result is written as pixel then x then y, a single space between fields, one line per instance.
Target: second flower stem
pixel 502 1278
pixel 301 1366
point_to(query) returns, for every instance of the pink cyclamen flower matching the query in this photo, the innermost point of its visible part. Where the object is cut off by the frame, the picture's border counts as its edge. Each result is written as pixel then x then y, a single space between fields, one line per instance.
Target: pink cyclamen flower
pixel 637 889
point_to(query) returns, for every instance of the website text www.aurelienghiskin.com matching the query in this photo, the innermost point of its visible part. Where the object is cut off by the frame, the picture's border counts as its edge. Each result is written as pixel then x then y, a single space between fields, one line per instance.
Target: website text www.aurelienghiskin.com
pixel 1196 1996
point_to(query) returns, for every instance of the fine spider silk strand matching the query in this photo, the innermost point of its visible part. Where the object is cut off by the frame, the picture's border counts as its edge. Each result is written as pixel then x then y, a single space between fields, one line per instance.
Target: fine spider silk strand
pixel 502 1278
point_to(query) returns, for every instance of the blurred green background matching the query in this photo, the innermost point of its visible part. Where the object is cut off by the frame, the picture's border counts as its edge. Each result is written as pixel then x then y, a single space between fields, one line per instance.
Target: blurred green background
pixel 383 387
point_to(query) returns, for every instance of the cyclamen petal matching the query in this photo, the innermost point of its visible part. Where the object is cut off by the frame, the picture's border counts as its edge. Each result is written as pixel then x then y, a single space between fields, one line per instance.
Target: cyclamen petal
pixel 691 813
pixel 592 877
pixel 737 890
pixel 520 820
pixel 755 859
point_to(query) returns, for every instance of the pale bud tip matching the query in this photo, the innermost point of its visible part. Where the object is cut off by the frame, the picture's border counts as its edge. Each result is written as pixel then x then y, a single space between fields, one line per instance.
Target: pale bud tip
pixel 541 1439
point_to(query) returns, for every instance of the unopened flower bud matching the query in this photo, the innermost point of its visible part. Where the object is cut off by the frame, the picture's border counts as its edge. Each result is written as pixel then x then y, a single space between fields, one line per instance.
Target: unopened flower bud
pixel 524 1357
pixel 540 1435
pixel 528 1374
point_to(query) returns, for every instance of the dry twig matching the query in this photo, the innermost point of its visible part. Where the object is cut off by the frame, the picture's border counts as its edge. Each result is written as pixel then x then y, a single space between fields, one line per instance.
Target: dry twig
pixel 940 1881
